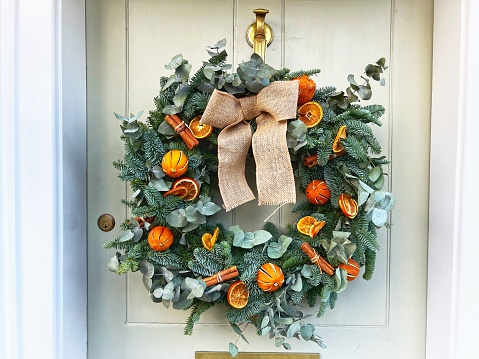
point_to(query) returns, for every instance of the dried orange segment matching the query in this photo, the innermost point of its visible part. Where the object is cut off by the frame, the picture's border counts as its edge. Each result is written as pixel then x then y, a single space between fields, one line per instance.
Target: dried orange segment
pixel 348 205
pixel 304 224
pixel 178 191
pixel 190 185
pixel 198 129
pixel 209 239
pixel 311 113
pixel 337 148
pixel 315 228
pixel 238 295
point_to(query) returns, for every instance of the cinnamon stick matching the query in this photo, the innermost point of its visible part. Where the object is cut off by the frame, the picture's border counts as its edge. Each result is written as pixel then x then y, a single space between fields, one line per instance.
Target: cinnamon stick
pixel 311 161
pixel 222 276
pixel 183 130
pixel 317 259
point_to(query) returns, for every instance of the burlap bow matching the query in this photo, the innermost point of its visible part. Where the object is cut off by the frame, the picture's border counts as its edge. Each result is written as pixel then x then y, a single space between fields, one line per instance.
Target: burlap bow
pixel 271 107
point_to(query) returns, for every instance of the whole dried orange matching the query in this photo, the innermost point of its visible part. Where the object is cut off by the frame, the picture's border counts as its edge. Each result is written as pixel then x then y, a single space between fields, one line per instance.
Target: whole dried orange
pixel 348 205
pixel 238 295
pixel 311 113
pixel 309 226
pixel 160 238
pixel 317 192
pixel 270 277
pixel 174 163
pixel 209 239
pixel 186 188
pixel 337 148
pixel 198 129
pixel 307 87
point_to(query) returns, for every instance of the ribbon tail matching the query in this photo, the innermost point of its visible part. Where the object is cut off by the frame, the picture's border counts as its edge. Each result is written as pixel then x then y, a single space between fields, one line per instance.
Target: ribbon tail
pixel 274 173
pixel 233 145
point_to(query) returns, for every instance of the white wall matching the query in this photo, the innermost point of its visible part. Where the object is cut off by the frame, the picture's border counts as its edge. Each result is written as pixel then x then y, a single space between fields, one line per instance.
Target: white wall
pixel 42 181
pixel 453 246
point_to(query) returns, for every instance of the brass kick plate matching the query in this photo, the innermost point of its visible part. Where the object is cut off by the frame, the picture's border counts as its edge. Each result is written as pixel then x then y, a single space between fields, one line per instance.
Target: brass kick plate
pixel 227 355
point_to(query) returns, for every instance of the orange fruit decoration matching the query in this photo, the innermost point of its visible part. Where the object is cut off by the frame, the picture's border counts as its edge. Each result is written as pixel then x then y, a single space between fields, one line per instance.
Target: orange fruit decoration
pixel 209 239
pixel 238 295
pixel 270 277
pixel 307 87
pixel 352 268
pixel 160 238
pixel 186 188
pixel 348 205
pixel 174 163
pixel 337 148
pixel 309 226
pixel 198 129
pixel 311 113
pixel 317 192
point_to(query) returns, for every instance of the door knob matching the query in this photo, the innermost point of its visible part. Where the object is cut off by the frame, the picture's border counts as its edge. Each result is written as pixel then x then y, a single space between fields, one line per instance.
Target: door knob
pixel 106 222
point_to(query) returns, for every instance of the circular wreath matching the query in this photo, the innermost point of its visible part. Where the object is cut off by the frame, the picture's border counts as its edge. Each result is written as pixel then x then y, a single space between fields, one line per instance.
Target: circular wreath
pixel 190 261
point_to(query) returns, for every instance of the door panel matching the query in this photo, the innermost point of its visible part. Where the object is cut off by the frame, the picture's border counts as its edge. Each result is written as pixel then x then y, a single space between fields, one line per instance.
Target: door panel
pixel 128 44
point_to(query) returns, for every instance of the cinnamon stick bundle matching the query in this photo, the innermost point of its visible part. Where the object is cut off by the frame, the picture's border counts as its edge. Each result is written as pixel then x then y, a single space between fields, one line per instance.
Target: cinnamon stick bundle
pixel 223 276
pixel 183 130
pixel 317 259
pixel 311 161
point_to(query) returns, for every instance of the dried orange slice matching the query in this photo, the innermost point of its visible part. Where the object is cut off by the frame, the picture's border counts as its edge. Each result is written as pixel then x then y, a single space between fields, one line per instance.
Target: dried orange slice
pixel 311 113
pixel 238 295
pixel 309 226
pixel 178 191
pixel 337 148
pixel 348 205
pixel 209 239
pixel 198 129
pixel 315 228
pixel 186 188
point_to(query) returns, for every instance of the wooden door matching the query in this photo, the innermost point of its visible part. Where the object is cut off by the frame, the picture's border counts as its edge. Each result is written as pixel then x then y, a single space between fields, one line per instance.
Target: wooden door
pixel 128 43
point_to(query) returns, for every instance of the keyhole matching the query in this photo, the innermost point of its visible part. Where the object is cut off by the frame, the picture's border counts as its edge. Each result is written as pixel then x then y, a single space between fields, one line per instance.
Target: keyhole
pixel 106 222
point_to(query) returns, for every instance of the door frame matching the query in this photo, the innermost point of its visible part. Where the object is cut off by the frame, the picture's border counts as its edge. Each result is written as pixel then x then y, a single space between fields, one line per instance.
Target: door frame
pixel 451 315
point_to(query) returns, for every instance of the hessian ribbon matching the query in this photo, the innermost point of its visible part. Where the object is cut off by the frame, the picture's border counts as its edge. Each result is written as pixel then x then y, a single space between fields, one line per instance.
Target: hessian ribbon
pixel 271 107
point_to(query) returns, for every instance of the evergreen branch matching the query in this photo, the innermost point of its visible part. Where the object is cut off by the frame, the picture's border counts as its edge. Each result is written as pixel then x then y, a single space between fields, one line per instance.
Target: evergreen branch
pixel 198 308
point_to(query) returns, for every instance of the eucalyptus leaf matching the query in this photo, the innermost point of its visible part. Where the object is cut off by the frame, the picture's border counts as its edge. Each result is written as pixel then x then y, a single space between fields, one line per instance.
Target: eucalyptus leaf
pixel 379 217
pixel 168 275
pixel 183 72
pixel 261 236
pixel 379 183
pixel 298 284
pixel 208 72
pixel 249 68
pixel 239 239
pixel 287 346
pixel 168 291
pixel 284 320
pixel 233 349
pixel 183 302
pixel 126 236
pixel 175 62
pixel 179 100
pixel 220 44
pixel 265 71
pixel 158 171
pixel 171 80
pixel 265 330
pixel 374 173
pixel 190 227
pixel 206 87
pixel 171 110
pixel 147 282
pixel 146 268
pixel 293 329
pixel 265 321
pixel 159 184
pixel 307 331
pixel 158 292
pixel 113 263
pixel 137 234
pixel 365 92
pixel 195 286
pixel 177 218
pixel 120 117
pixel 235 229
pixel 209 208
pixel 254 86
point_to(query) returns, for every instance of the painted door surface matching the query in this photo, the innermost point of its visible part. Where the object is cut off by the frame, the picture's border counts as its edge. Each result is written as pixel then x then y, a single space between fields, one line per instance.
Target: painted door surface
pixel 128 43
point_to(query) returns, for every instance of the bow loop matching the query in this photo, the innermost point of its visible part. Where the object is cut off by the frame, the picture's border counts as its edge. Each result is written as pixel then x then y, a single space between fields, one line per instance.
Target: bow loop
pixel 271 107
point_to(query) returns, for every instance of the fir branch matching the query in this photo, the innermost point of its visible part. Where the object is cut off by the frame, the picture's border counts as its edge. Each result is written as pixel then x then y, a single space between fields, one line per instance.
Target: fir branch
pixel 295 74
pixel 198 308
pixel 163 259
pixel 355 148
pixel 128 265
pixel 370 257
pixel 153 147
pixel 195 104
pixel 322 94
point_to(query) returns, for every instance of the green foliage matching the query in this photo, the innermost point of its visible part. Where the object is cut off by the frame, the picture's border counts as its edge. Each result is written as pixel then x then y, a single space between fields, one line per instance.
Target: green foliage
pixel 180 268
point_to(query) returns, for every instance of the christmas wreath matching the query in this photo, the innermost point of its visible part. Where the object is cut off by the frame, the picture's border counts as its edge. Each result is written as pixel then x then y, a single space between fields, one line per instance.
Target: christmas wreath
pixel 198 138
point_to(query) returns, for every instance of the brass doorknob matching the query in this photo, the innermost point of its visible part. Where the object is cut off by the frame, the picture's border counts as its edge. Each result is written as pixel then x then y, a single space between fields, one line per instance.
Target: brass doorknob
pixel 106 222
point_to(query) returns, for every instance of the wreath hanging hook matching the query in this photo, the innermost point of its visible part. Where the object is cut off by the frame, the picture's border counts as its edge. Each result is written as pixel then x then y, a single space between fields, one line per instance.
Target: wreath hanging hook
pixel 259 34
